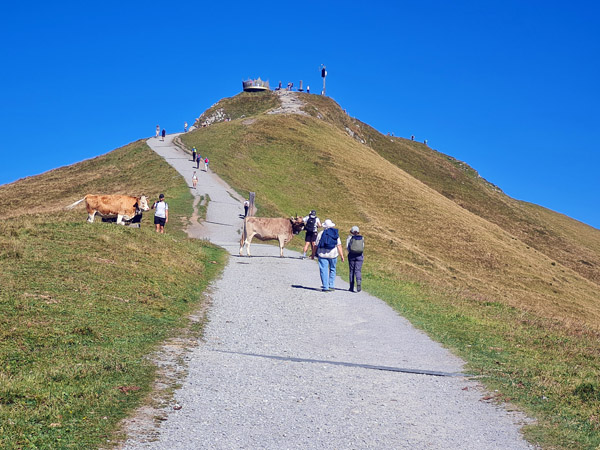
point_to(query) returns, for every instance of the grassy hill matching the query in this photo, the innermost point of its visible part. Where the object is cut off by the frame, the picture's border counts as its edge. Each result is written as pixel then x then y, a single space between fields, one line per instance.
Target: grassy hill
pixel 83 305
pixel 510 286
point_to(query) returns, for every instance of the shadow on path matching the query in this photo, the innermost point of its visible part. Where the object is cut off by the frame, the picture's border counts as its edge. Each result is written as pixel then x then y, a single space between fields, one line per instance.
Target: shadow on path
pixel 297 286
pixel 348 364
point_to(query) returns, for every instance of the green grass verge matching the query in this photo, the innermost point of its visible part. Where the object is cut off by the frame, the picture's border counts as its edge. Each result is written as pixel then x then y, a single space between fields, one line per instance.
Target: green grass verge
pixel 527 361
pixel 84 305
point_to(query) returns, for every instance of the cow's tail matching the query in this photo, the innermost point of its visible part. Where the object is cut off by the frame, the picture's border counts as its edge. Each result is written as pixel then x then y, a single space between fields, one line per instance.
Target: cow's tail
pixel 75 204
pixel 244 236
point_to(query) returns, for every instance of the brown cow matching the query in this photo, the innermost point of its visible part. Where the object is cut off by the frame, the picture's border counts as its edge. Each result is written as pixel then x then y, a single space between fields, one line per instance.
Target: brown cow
pixel 123 207
pixel 269 229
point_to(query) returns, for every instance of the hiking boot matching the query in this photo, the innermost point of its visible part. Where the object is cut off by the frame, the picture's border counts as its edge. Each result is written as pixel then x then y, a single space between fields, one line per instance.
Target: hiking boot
pixel 351 288
pixel 358 288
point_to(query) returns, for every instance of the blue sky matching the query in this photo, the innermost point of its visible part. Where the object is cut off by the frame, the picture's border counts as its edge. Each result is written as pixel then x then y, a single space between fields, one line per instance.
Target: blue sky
pixel 512 88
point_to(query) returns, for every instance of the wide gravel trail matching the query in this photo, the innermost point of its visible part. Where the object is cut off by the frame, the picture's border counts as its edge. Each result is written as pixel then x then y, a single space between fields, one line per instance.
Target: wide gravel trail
pixel 284 365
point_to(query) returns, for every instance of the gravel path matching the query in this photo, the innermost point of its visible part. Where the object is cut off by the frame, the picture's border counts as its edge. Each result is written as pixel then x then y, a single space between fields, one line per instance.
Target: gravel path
pixel 290 103
pixel 284 365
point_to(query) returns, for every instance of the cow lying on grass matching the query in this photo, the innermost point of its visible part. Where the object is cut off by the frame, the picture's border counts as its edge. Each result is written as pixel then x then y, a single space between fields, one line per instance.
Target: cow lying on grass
pixel 123 207
pixel 269 229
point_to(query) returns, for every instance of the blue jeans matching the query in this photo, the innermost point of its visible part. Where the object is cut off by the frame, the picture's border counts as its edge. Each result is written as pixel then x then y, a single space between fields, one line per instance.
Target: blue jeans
pixel 327 269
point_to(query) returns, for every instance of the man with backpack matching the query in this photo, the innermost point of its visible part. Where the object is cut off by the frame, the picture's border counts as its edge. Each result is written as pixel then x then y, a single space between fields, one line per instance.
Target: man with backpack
pixel 311 225
pixel 328 247
pixel 355 244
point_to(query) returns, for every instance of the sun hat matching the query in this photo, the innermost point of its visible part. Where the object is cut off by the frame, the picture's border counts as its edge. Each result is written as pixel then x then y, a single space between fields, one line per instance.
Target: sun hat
pixel 328 224
pixel 354 229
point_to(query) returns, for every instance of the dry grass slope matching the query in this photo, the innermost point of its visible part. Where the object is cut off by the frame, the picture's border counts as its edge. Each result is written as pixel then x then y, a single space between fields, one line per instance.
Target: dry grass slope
pixel 298 163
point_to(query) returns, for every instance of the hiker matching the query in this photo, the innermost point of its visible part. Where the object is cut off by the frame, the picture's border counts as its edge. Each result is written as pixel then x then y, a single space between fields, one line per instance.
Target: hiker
pixel 185 127
pixel 198 159
pixel 246 206
pixel 194 180
pixel 308 89
pixel 355 244
pixel 157 131
pixel 311 225
pixel 161 216
pixel 328 248
pixel 206 165
pixel 163 134
pixel 194 151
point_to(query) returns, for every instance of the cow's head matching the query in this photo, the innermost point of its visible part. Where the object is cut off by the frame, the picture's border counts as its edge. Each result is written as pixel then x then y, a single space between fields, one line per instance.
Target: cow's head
pixel 297 224
pixel 143 203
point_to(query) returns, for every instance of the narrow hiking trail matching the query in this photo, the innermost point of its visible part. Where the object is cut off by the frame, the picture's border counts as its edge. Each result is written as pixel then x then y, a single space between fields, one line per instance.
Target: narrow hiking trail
pixel 284 365
pixel 290 103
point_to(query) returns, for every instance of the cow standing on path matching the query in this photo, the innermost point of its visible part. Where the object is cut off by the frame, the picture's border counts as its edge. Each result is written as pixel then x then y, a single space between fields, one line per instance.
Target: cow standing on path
pixel 270 229
pixel 123 207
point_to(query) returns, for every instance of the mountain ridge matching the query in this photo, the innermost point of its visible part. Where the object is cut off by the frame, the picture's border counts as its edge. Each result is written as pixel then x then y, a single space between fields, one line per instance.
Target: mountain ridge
pixel 497 248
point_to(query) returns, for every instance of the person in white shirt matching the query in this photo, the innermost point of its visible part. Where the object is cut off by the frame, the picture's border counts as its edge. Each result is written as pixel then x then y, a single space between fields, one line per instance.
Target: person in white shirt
pixel 328 247
pixel 161 216
pixel 311 225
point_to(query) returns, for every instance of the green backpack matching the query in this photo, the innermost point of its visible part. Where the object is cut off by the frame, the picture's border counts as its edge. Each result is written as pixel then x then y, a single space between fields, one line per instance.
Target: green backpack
pixel 357 244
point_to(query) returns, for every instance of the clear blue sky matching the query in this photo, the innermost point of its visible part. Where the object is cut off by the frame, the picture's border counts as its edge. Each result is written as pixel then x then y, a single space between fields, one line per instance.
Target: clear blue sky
pixel 511 87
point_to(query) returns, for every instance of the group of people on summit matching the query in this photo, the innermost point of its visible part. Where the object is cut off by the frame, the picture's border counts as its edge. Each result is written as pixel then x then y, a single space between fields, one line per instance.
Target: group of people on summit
pixel 326 245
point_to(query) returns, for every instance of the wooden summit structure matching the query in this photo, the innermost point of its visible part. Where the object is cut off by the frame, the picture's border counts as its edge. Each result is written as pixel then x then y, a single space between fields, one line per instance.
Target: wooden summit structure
pixel 255 85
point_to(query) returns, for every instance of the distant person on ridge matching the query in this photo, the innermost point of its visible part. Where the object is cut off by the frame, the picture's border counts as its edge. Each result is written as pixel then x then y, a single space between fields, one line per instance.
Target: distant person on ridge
pixel 157 131
pixel 194 151
pixel 328 248
pixel 355 244
pixel 206 164
pixel 185 127
pixel 163 134
pixel 198 159
pixel 311 225
pixel 194 180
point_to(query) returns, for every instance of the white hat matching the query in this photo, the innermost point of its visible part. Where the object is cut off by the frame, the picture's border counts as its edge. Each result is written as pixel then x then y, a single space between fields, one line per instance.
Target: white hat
pixel 354 229
pixel 328 224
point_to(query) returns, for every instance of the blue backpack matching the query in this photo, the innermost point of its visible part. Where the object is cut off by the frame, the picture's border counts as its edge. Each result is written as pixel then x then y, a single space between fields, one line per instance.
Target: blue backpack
pixel 329 238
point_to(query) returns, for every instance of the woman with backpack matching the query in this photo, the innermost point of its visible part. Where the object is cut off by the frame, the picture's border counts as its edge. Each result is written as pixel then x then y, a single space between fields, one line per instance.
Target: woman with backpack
pixel 328 247
pixel 311 225
pixel 355 244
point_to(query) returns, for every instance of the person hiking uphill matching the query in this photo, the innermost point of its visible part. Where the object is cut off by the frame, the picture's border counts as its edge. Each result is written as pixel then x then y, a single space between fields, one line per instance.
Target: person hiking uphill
pixel 355 244
pixel 161 215
pixel 311 225
pixel 328 248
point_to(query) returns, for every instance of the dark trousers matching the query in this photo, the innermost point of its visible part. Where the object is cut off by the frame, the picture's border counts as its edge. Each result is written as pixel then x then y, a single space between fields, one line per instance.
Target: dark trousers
pixel 245 211
pixel 355 264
